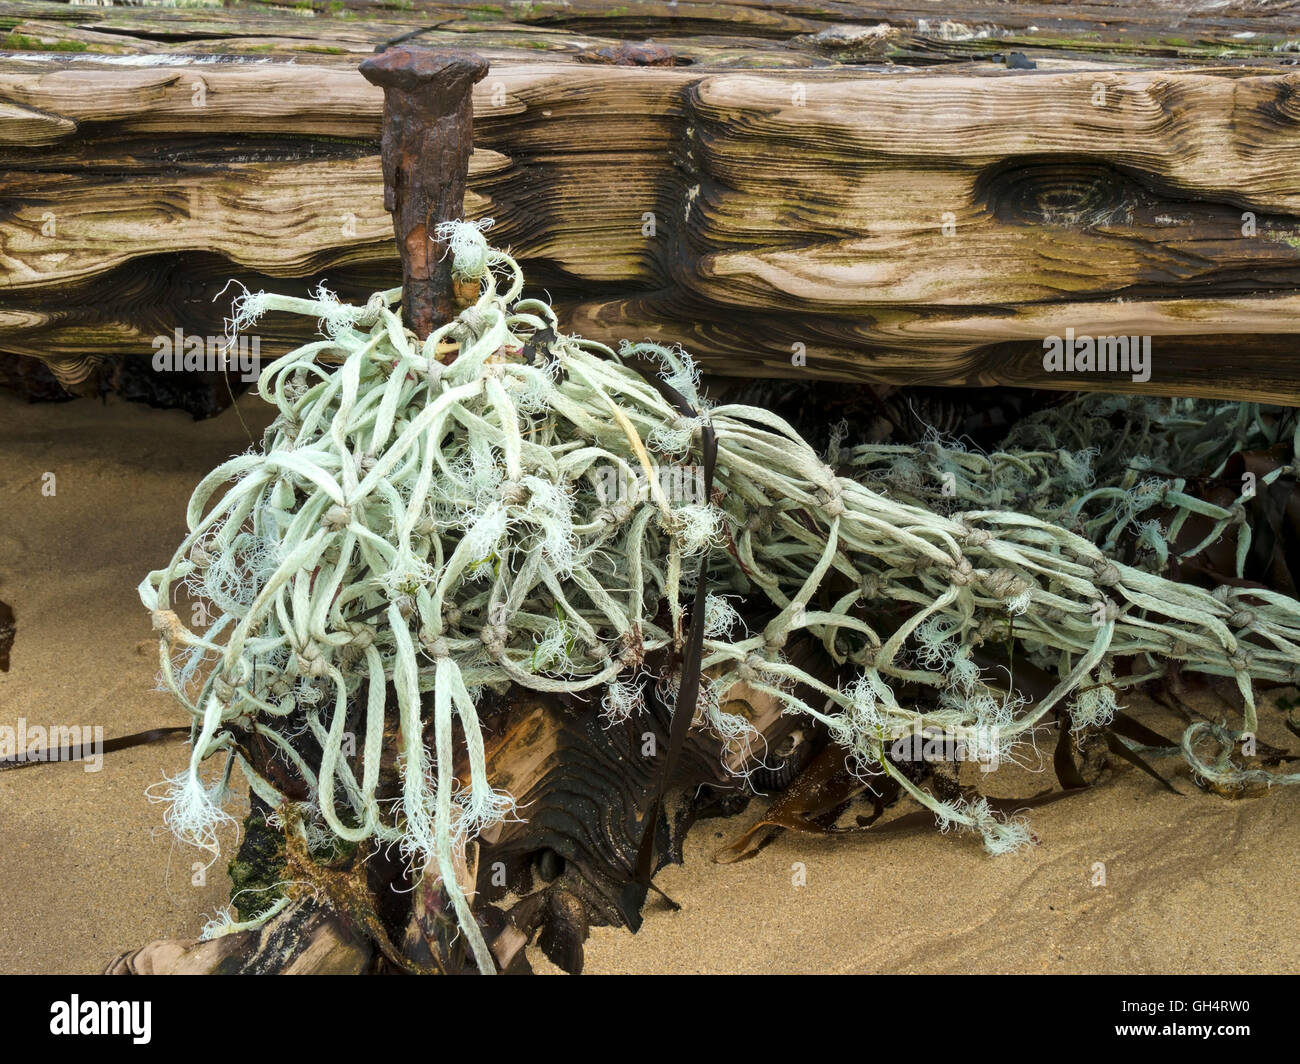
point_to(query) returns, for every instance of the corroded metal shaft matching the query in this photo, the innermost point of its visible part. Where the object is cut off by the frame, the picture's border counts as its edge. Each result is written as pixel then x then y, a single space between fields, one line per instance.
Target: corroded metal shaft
pixel 428 134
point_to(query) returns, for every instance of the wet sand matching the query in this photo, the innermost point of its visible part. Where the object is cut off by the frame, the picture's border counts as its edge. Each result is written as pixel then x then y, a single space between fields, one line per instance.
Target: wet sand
pixel 1192 884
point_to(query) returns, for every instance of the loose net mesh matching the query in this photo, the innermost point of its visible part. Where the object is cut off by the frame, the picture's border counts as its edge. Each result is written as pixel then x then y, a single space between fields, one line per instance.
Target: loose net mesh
pixel 414 531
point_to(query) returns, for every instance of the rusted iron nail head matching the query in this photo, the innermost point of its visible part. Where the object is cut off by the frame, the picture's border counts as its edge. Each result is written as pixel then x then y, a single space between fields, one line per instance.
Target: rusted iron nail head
pixel 408 69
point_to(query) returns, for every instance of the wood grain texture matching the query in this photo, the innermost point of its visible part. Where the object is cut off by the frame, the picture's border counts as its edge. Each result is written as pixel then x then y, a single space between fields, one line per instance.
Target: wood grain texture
pixel 308 938
pixel 890 210
pixel 715 32
pixel 583 789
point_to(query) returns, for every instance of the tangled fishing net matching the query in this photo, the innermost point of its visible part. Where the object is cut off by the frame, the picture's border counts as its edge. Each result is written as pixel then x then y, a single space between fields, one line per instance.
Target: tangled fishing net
pixel 417 529
pixel 1105 466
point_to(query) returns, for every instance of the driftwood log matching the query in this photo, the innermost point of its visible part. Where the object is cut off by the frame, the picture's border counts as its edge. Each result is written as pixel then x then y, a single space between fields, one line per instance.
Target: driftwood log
pixel 839 190
pixel 583 789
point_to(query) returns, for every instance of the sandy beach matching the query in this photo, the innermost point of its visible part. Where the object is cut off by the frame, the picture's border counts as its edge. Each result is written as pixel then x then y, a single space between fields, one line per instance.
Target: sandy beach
pixel 1125 877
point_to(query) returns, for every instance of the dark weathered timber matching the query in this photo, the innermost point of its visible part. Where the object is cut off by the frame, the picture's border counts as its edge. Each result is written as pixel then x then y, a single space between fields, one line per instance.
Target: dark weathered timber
pixel 710 33
pixel 8 629
pixel 837 190
pixel 906 228
pixel 426 143
pixel 582 789
pixel 308 938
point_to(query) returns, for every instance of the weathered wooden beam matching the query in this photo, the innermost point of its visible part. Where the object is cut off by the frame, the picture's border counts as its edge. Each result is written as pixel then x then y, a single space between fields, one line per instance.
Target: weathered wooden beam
pixel 711 32
pixel 905 227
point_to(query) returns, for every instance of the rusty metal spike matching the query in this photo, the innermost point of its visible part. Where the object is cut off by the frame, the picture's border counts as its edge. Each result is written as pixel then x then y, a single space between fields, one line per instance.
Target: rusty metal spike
pixel 428 134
